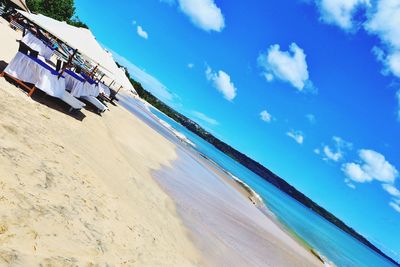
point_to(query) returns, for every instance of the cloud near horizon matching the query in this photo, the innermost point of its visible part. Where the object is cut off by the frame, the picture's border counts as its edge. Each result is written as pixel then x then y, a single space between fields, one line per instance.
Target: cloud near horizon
pixel 148 82
pixel 205 118
pixel 289 66
pixel 222 82
pixel 204 14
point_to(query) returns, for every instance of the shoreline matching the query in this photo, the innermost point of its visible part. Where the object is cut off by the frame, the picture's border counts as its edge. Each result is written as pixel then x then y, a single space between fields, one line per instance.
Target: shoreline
pixel 245 190
pixel 258 202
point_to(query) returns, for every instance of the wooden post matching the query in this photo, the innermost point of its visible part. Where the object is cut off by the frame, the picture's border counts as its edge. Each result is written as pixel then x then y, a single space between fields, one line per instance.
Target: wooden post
pixel 68 63
pixel 93 71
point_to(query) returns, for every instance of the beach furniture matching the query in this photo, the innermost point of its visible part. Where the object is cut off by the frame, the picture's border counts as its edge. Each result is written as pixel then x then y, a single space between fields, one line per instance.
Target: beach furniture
pixel 38 45
pixel 81 88
pixel 26 68
pixel 91 57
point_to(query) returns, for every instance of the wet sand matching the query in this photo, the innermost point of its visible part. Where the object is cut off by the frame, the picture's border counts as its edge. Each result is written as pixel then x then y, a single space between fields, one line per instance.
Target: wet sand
pixel 227 223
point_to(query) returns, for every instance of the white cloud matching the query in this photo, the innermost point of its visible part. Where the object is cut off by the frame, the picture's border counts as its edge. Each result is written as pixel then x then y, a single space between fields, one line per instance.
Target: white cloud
pixel 384 22
pixel 395 206
pixel 222 82
pixel 337 152
pixel 311 118
pixel 204 14
pixel 289 66
pixel 148 82
pixel 265 116
pixel 205 118
pixel 350 184
pixel 190 65
pixel 373 166
pixel 340 12
pixel 142 33
pixel 393 191
pixel 317 151
pixel 329 154
pixel 296 136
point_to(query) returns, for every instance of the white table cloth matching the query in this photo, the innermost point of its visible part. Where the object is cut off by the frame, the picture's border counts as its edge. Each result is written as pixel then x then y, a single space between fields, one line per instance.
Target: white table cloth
pixel 104 89
pixel 79 88
pixel 36 44
pixel 28 70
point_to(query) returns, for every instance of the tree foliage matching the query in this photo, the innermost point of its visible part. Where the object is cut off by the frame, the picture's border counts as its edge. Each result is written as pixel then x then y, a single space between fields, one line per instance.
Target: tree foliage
pixel 62 10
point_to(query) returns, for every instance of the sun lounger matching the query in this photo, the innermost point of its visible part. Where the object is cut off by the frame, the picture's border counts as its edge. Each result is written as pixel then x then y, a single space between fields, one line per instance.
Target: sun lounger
pixel 72 101
pixel 95 102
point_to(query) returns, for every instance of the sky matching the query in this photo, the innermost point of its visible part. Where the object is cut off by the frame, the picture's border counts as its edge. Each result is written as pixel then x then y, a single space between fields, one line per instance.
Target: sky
pixel 309 88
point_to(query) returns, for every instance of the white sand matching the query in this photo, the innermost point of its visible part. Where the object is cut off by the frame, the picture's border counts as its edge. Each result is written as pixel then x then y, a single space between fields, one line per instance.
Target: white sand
pixel 80 193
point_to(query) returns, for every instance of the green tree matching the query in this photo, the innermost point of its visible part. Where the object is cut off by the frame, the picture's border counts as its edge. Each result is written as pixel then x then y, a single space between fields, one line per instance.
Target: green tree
pixel 62 10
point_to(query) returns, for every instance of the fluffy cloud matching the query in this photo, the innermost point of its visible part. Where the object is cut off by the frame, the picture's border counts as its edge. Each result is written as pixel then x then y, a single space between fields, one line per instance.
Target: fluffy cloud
pixel 222 82
pixel 205 118
pixel 190 65
pixel 289 66
pixel 340 12
pixel 205 14
pixel 373 166
pixel 296 136
pixel 395 206
pixel 265 116
pixel 337 152
pixel 384 22
pixel 393 191
pixel 142 33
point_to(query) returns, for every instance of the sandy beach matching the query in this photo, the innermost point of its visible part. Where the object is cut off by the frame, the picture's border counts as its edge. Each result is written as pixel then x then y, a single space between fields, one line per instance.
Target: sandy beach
pixel 85 190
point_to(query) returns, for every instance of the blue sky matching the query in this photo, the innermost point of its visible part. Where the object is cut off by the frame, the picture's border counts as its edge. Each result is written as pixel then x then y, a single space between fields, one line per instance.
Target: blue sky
pixel 310 89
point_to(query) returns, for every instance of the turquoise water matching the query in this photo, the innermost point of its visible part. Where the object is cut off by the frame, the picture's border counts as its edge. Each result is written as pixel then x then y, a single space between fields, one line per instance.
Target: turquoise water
pixel 330 241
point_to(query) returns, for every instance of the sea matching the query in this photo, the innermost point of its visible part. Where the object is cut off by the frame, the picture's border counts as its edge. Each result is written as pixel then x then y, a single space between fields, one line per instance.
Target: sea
pixel 330 242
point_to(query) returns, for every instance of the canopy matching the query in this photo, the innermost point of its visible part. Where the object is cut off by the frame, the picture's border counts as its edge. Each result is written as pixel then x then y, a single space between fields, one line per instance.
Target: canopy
pixel 77 38
pixel 21 4
pixel 124 81
pixel 87 45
